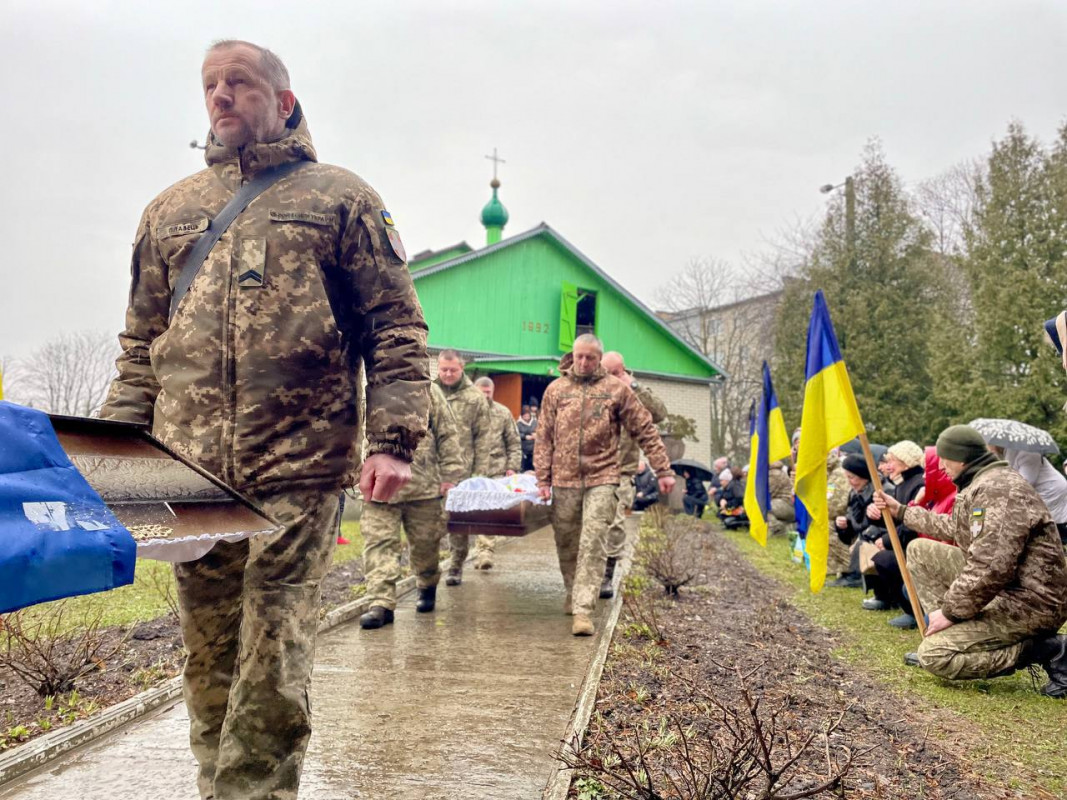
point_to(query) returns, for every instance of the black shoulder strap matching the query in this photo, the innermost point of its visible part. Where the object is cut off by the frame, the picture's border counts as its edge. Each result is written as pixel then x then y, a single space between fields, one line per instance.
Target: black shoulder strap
pixel 209 238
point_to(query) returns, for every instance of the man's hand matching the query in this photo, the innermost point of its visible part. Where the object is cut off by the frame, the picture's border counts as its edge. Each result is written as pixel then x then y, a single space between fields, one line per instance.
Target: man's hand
pixel 445 487
pixel 841 523
pixel 882 500
pixel 938 622
pixel 666 484
pixel 383 476
pixel 545 492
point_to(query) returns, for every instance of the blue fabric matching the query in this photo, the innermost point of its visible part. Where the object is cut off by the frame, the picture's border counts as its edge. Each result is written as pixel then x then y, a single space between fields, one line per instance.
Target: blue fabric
pixel 803 518
pixel 57 537
pixel 823 349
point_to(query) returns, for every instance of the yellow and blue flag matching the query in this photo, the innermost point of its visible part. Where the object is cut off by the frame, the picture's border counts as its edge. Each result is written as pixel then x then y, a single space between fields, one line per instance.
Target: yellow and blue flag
pixel 769 443
pixel 829 419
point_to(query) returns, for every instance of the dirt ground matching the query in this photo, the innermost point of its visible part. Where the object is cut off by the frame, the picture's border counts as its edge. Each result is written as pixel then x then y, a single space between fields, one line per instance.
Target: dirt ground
pixel 151 654
pixel 683 660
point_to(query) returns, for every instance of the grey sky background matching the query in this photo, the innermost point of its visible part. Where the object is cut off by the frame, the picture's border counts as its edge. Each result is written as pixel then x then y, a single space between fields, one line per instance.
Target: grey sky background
pixel 647 133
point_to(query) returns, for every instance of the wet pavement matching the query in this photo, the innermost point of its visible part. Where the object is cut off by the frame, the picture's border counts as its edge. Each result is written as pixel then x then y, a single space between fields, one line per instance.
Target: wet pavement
pixel 468 702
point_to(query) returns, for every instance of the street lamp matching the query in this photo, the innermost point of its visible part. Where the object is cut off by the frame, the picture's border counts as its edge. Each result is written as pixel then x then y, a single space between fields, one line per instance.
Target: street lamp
pixel 850 214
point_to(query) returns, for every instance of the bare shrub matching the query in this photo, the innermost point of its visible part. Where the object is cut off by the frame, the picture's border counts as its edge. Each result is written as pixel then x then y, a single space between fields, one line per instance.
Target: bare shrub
pixel 49 654
pixel 729 751
pixel 667 550
pixel 161 582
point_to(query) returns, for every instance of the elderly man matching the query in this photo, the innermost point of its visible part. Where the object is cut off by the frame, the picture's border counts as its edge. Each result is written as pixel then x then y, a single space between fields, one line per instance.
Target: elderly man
pixel 577 463
pixel 244 355
pixel 629 460
pixel 996 600
pixel 474 426
pixel 505 458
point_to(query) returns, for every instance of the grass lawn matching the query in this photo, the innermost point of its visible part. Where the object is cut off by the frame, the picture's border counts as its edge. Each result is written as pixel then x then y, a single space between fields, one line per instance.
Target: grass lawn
pixel 1016 724
pixel 145 599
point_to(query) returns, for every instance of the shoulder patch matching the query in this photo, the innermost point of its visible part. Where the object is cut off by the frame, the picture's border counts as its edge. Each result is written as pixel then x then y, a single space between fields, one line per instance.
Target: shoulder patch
pixel 198 225
pixel 387 218
pixel 397 246
pixel 978 512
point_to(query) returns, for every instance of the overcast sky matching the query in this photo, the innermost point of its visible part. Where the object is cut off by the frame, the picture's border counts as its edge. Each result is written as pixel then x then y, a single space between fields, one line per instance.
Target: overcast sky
pixel 646 133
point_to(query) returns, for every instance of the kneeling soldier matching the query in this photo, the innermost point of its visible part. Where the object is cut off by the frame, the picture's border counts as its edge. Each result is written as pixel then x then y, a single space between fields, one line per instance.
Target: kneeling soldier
pixel 996 601
pixel 437 467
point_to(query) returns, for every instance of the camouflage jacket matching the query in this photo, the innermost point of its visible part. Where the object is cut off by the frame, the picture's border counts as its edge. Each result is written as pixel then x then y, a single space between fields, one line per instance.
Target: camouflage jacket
pixel 254 379
pixel 505 448
pixel 578 431
pixel 780 485
pixel 629 452
pixel 1014 554
pixel 837 490
pixel 438 458
pixel 473 424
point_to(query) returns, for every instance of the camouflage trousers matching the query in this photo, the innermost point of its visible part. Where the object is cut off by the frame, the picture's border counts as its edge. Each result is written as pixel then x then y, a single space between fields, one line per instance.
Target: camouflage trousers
pixel 982 647
pixel 839 554
pixel 781 517
pixel 459 545
pixel 615 539
pixel 424 524
pixel 485 545
pixel 580 519
pixel 249 615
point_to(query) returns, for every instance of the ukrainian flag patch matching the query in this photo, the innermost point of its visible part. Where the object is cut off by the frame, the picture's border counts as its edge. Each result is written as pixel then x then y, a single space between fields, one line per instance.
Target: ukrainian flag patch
pixel 387 218
pixel 978 512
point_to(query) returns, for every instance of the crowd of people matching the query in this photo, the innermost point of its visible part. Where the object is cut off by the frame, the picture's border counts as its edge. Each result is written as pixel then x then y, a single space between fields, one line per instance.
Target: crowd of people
pixel 982 530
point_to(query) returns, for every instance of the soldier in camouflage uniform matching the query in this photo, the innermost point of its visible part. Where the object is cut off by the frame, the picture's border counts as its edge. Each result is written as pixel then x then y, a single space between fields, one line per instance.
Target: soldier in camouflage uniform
pixel 996 600
pixel 839 555
pixel 420 507
pixel 474 425
pixel 576 458
pixel 255 380
pixel 782 509
pixel 629 459
pixel 505 458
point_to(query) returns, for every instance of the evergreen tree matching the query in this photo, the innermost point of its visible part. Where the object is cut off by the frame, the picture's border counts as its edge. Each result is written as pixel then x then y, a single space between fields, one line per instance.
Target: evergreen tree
pixel 881 287
pixel 1015 263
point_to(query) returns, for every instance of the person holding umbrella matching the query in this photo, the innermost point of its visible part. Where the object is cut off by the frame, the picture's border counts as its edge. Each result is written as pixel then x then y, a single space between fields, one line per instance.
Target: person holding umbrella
pixel 1024 447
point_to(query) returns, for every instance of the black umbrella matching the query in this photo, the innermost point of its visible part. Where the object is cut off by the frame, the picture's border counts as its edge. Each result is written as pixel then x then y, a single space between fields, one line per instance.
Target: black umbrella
pixel 701 471
pixel 1013 435
pixel 855 448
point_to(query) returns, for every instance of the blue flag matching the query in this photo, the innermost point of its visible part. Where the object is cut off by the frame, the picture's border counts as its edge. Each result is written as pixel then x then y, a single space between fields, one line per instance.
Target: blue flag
pixel 57 537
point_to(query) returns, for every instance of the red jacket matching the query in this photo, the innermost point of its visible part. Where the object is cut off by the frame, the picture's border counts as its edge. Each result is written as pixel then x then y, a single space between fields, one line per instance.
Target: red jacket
pixel 940 493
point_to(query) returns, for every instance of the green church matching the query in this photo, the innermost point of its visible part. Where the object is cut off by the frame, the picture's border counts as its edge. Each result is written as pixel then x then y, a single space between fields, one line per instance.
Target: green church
pixel 513 307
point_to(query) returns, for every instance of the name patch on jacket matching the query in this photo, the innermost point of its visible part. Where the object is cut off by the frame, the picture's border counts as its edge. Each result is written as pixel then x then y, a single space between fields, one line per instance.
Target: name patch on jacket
pixel 300 216
pixel 182 228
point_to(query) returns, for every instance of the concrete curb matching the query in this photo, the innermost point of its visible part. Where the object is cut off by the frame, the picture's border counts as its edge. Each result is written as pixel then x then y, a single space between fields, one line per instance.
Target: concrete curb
pixel 559 784
pixel 47 748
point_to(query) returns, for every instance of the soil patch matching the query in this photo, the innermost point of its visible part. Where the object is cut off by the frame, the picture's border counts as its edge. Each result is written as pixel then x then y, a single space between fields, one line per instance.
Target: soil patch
pixel 683 672
pixel 144 656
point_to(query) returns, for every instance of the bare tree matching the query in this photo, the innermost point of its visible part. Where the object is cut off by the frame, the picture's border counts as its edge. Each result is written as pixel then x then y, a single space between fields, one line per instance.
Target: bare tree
pixel 70 374
pixel 947 201
pixel 718 315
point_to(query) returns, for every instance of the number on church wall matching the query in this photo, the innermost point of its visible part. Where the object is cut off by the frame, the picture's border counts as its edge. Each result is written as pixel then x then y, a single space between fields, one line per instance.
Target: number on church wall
pixel 530 326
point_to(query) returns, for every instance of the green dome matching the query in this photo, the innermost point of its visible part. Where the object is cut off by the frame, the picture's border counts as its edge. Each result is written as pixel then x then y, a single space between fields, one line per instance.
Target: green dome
pixel 494 215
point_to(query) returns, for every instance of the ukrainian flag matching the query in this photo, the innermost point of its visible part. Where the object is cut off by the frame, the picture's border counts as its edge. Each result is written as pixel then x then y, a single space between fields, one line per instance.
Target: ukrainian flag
pixel 830 418
pixel 769 443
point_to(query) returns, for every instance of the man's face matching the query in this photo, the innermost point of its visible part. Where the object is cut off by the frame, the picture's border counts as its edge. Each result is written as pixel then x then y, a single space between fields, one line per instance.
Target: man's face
pixel 241 104
pixel 953 468
pixel 487 391
pixel 586 358
pixel 449 371
pixel 720 464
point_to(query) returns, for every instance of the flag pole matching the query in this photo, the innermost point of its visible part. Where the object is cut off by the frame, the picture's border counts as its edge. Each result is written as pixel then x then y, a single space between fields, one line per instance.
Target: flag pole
pixel 891 526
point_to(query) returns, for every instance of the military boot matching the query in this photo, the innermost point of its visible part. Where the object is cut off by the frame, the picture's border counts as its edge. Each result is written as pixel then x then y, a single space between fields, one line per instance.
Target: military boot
pixel 427 600
pixel 454 576
pixel 582 626
pixel 1050 653
pixel 376 618
pixel 568 608
pixel 607 587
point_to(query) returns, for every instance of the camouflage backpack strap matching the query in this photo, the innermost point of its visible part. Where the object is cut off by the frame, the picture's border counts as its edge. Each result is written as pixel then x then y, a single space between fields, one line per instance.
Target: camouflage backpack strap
pixel 209 238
